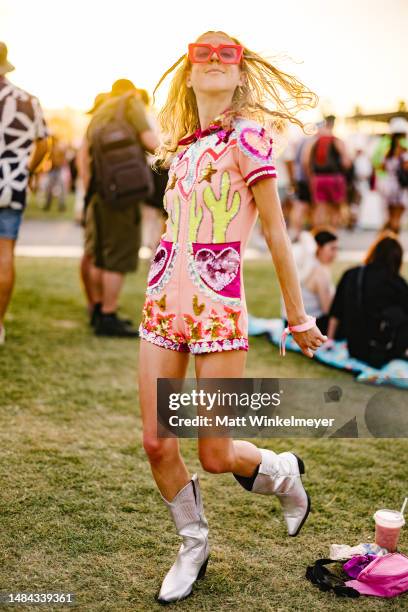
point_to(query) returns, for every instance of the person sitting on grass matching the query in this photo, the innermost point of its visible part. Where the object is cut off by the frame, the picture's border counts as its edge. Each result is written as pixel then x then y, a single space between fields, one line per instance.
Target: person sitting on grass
pixel 370 307
pixel 314 253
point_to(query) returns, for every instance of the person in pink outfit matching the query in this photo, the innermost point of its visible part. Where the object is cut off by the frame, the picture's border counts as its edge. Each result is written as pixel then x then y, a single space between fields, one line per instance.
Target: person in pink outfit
pixel 221 176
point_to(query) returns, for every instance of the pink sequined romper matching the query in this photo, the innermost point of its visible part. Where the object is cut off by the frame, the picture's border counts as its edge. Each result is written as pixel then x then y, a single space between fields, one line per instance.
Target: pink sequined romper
pixel 195 299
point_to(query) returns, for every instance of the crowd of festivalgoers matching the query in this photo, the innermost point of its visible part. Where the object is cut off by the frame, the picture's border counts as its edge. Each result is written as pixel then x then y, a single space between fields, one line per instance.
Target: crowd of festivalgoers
pixel 326 180
pixel 322 179
pixel 321 185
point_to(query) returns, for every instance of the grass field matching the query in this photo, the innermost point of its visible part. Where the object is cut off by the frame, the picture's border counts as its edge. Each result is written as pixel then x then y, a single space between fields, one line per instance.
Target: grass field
pixel 79 511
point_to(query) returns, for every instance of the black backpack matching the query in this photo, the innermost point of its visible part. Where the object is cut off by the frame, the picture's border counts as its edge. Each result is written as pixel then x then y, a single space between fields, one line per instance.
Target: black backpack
pixel 122 175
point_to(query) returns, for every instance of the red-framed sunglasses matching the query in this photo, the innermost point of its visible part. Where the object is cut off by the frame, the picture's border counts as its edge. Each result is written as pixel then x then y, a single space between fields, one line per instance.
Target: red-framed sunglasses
pixel 200 53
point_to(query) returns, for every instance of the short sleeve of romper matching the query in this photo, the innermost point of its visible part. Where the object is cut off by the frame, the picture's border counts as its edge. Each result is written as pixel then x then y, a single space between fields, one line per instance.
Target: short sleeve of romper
pixel 255 152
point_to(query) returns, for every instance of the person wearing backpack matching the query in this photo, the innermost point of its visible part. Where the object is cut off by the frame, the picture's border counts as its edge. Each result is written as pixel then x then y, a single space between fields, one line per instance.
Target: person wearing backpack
pixel 328 166
pixel 118 136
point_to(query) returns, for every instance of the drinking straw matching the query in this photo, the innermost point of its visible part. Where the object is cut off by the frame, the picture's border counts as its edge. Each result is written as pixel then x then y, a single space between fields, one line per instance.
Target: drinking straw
pixel 403 505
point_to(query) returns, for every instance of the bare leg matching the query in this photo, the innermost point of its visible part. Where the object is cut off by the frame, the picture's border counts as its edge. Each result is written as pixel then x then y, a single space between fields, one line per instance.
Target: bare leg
pixel 96 284
pixel 168 468
pixel 7 274
pixel 181 493
pixel 257 470
pixel 86 277
pixel 112 283
pixel 336 214
pixel 218 455
pixel 320 214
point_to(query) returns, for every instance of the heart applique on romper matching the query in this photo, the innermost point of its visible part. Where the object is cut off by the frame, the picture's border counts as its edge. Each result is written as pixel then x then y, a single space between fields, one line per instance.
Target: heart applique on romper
pixel 217 270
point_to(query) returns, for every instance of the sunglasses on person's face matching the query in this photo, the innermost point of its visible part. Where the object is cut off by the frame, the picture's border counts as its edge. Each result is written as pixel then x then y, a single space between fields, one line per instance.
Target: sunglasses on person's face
pixel 200 53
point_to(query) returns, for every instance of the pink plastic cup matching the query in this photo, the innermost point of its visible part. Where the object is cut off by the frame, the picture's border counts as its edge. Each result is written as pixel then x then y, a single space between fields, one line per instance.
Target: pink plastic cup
pixel 388 525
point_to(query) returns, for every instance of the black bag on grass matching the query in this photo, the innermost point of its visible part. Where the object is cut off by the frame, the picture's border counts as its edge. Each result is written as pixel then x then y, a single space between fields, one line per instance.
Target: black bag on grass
pixel 325 580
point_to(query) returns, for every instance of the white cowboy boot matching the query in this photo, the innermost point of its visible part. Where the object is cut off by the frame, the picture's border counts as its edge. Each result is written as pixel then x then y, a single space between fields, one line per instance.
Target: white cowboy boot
pixel 187 512
pixel 280 475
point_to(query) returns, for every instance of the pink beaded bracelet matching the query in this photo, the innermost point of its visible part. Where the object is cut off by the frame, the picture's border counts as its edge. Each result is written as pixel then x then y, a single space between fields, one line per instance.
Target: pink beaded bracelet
pixel 295 328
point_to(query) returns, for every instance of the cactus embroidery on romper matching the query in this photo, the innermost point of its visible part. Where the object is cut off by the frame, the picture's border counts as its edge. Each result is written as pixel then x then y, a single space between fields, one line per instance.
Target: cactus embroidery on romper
pixel 221 213
pixel 174 217
pixel 195 217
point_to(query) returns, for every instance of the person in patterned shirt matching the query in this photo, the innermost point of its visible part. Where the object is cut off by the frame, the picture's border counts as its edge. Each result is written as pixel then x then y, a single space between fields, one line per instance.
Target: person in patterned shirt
pixel 23 145
pixel 221 176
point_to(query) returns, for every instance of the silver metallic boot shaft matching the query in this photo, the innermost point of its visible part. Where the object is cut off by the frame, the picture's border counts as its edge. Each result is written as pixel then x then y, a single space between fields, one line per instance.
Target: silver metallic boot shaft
pixel 187 512
pixel 280 475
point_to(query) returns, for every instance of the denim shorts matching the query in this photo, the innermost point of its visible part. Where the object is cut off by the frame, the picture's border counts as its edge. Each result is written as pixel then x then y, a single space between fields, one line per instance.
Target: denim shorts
pixel 10 221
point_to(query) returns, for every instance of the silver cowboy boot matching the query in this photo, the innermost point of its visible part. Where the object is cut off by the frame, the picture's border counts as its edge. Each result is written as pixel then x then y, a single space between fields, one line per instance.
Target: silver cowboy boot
pixel 187 513
pixel 280 475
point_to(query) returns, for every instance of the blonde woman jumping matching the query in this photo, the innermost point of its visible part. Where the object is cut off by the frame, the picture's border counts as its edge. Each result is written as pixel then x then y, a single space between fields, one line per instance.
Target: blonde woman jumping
pixel 221 177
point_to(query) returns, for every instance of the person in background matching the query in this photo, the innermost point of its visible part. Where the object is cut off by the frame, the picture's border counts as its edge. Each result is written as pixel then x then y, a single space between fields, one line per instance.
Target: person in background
pixel 393 188
pixel 55 176
pixel 71 154
pixel 87 183
pixel 302 201
pixel 153 213
pixel 363 178
pixel 284 171
pixel 370 307
pixel 114 232
pixel 314 253
pixel 23 145
pixel 328 163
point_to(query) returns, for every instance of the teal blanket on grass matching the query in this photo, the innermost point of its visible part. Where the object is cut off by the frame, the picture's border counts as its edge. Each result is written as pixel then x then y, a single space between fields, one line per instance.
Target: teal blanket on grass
pixel 394 373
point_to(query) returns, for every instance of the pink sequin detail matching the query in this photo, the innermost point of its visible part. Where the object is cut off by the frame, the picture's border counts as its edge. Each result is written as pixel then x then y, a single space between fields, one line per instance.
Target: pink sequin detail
pixel 217 270
pixel 256 143
pixel 158 263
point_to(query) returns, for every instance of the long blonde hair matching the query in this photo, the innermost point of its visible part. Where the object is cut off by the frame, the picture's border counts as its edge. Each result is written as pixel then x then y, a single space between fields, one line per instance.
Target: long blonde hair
pixel 263 83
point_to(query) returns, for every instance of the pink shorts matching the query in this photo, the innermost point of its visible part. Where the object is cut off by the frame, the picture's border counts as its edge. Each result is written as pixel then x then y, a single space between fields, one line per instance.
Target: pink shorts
pixel 328 188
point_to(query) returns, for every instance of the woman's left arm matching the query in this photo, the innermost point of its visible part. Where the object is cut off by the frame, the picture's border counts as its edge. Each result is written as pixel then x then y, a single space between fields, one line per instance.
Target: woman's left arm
pixel 274 229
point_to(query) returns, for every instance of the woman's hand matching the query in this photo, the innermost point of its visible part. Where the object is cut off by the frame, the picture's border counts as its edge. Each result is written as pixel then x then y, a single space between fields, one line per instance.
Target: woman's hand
pixel 309 341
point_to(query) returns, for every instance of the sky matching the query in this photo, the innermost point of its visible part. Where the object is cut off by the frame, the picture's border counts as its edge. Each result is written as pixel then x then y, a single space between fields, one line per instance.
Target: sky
pixel 349 52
